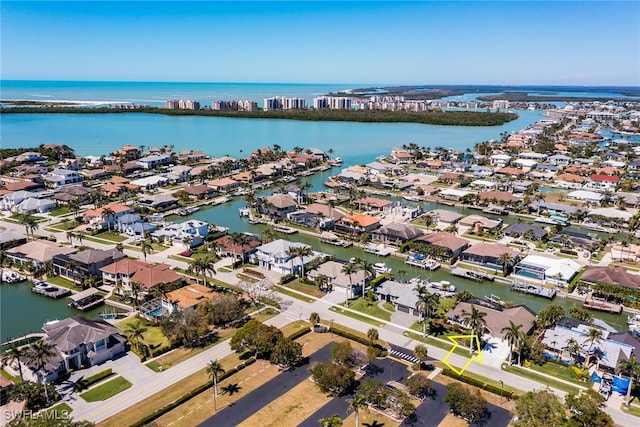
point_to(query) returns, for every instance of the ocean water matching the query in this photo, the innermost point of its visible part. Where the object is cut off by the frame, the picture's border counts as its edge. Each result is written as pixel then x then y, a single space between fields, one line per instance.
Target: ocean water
pixel 98 134
pixel 156 93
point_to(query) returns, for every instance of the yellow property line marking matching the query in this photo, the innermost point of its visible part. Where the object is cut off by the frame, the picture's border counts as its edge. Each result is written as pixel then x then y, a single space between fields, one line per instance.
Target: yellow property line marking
pixel 477 357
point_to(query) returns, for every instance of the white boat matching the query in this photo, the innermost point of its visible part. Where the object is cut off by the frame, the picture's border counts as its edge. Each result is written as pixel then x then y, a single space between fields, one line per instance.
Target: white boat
pixel 634 322
pixel 244 211
pixel 381 268
pixel 379 250
pixel 443 285
pixel 412 198
pixel 284 229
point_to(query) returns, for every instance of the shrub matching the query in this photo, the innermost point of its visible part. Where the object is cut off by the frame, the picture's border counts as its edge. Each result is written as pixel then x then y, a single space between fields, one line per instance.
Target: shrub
pixel 287 278
pixel 87 382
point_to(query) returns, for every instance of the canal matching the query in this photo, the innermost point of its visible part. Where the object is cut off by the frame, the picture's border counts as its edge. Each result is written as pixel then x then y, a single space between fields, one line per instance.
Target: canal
pixel 23 312
pixel 226 215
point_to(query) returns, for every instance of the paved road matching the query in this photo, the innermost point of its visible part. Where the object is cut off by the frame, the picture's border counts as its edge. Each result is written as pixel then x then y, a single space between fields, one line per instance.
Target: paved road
pixel 251 403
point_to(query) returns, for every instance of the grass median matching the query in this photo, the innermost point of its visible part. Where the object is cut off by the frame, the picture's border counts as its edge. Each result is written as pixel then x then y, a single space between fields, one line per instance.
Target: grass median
pixel 532 375
pixel 106 390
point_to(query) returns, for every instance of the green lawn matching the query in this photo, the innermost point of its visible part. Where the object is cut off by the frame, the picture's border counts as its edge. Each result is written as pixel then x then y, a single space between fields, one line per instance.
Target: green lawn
pixel 111 236
pixel 153 337
pixel 10 377
pixel 370 308
pixel 64 225
pixel 311 290
pixel 59 281
pixel 532 375
pixel 356 316
pixel 106 390
pixel 634 409
pixel 295 295
pixel 389 306
pixel 446 345
pixel 563 372
pixel 62 210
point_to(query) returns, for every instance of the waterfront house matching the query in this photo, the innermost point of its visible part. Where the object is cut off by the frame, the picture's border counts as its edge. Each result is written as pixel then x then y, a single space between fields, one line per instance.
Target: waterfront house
pixel 179 173
pixel 488 255
pixel 496 319
pixel 444 217
pixel 483 185
pixel 451 244
pixel 500 197
pixel 277 205
pixel 37 252
pixel 374 204
pixel 151 182
pixel 273 256
pixel 9 239
pixel 154 160
pixel 559 160
pixel 477 222
pixel 77 343
pixel 84 263
pixel 333 270
pixel 547 269
pixel 613 276
pixel 126 153
pixel 585 196
pixel 403 296
pixel 396 233
pixel 160 202
pixel 227 248
pixel 605 353
pixel 121 274
pixel 224 184
pixel 399 156
pixel 190 233
pixel 520 229
pixel 570 180
pixel 200 192
pixel 357 224
pixel 577 240
pixel 628 252
pixel 481 171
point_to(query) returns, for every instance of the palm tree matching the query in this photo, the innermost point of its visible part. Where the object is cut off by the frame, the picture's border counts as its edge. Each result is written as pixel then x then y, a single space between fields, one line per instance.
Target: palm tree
pixel 426 304
pixel 40 353
pixel 402 273
pixel 506 260
pixel 594 336
pixel 70 236
pixel 13 355
pixel 30 224
pixel 120 247
pixel 146 249
pixel 332 421
pixel 74 206
pixel 631 367
pixel 135 331
pixel 573 346
pixel 373 335
pixel 187 242
pixel 513 335
pixel 367 267
pixel 136 287
pixel 213 369
pixel 314 318
pixel 475 321
pixel 420 351
pixel 195 268
pixel 269 235
pixel 304 251
pixel 358 402
pixel 349 269
pixel 108 214
pixel 159 291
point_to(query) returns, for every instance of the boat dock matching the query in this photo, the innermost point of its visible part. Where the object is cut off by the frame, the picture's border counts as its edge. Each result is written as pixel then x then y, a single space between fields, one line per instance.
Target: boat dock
pixel 86 300
pixel 532 289
pixel 427 264
pixel 332 239
pixel 284 229
pixel 602 305
pixel 50 291
pixel 475 276
pixel 379 250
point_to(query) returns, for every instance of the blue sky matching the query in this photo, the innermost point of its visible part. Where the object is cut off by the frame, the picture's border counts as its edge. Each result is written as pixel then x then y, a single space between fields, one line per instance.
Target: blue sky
pixel 437 42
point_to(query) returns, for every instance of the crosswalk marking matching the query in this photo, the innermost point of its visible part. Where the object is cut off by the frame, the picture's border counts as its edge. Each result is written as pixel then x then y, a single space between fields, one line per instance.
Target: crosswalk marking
pixel 404 356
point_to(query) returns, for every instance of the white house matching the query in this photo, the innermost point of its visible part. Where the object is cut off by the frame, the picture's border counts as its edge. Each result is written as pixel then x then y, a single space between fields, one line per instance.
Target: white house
pixel 500 160
pixel 154 160
pixel 273 256
pixel 547 269
pixel 189 233
pixel 32 204
pixel 60 177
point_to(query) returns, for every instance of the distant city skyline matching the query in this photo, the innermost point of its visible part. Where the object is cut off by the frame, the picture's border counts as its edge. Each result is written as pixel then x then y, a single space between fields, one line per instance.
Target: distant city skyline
pixel 439 42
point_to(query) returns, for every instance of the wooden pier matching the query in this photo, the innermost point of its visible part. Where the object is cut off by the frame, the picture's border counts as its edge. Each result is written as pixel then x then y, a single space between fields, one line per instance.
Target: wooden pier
pixel 527 288
pixel 475 276
pixel 602 305
pixel 51 291
pixel 86 300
